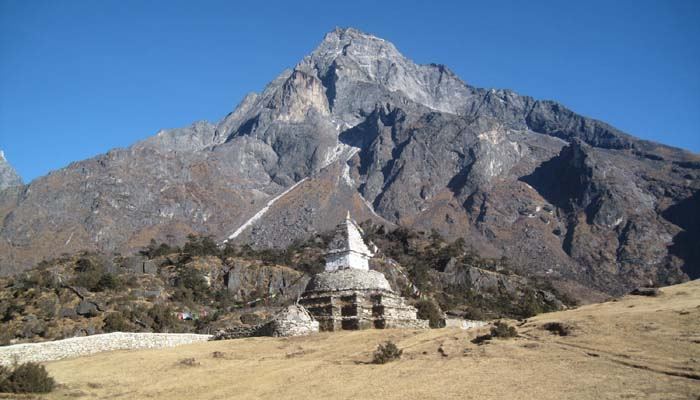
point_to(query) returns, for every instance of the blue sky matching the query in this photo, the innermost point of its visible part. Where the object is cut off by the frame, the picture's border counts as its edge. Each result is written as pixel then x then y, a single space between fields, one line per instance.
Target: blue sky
pixel 78 78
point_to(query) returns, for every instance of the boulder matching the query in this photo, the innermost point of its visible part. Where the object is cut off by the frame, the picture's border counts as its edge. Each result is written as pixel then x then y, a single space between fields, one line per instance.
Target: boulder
pixel 67 313
pixel 87 308
pixel 152 294
pixel 293 320
pixel 149 267
pixel 140 265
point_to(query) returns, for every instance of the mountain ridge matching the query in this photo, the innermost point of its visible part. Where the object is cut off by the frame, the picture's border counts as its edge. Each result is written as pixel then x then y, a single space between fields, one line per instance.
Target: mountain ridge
pixel 367 130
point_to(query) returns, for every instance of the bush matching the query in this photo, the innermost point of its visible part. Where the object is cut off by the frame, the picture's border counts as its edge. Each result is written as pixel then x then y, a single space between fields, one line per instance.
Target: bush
pixel 386 353
pixel 502 330
pixel 107 282
pixel 47 308
pixel 9 308
pixel 428 309
pixel 154 249
pixel 189 362
pixel 190 285
pixel 482 339
pixel 164 319
pixel 201 246
pixel 115 322
pixel 88 274
pixel 93 277
pixel 26 378
pixel 557 328
pixel 38 279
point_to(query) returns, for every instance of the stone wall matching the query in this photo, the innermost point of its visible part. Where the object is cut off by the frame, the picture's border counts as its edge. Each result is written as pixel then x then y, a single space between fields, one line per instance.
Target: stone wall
pixel 464 323
pixel 85 345
pixel 239 332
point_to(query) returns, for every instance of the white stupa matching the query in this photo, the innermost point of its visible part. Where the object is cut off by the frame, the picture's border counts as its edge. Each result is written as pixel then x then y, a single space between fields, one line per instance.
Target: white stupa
pixel 349 295
pixel 347 250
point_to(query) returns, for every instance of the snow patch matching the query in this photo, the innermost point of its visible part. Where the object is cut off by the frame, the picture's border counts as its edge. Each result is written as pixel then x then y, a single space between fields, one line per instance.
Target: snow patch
pixel 262 212
pixel 69 239
pixel 346 176
pixel 370 206
pixel 493 136
pixel 334 154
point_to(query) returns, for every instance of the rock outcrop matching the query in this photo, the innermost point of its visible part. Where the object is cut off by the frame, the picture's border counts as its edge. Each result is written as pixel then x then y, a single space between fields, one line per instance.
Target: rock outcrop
pixel 8 176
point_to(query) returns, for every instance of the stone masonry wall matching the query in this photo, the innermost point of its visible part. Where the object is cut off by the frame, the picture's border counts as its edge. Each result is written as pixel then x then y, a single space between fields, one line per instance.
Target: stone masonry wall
pixel 85 345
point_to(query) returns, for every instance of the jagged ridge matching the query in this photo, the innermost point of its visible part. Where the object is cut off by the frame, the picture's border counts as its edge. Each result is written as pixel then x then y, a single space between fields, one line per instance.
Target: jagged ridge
pixel 368 130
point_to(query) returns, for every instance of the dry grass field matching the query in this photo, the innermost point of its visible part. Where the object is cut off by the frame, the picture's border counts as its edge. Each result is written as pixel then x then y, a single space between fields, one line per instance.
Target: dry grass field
pixel 637 347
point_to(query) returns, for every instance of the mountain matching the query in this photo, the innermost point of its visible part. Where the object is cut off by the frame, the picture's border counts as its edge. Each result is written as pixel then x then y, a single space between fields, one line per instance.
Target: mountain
pixel 8 176
pixel 357 126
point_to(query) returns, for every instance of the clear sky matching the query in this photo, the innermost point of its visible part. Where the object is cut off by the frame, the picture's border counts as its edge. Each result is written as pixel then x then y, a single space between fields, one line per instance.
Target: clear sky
pixel 78 78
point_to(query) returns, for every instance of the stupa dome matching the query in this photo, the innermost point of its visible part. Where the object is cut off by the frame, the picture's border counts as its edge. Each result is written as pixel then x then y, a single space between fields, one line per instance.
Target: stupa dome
pixel 348 279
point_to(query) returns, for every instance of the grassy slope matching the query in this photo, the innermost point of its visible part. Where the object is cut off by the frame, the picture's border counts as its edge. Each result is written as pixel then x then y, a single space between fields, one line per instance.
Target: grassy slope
pixel 637 347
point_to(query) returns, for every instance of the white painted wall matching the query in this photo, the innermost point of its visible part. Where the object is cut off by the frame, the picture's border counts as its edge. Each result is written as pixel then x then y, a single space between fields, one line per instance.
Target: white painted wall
pixel 346 260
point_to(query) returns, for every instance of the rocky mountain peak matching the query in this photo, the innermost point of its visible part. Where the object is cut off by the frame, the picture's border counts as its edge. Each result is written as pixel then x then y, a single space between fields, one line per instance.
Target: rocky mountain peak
pixel 357 126
pixel 352 44
pixel 8 175
pixel 348 58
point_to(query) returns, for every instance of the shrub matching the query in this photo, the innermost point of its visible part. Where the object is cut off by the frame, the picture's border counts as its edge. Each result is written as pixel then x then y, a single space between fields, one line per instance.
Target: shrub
pixel 9 308
pixel 481 339
pixel 189 362
pixel 115 322
pixel 93 277
pixel 190 285
pixel 107 282
pixel 205 324
pixel 503 330
pixel 38 279
pixel 386 352
pixel 26 378
pixel 201 246
pixel 164 319
pixel 428 309
pixel 47 308
pixel 557 328
pixel 154 249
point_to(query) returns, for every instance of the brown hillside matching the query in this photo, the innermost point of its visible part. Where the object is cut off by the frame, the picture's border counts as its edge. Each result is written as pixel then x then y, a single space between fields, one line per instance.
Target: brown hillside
pixel 637 347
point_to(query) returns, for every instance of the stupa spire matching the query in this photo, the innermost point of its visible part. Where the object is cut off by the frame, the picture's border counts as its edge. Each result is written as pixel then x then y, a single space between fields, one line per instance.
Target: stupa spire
pixel 348 250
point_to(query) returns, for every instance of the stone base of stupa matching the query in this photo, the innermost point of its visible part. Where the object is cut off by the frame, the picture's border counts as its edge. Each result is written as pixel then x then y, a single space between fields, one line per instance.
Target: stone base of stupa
pixel 354 299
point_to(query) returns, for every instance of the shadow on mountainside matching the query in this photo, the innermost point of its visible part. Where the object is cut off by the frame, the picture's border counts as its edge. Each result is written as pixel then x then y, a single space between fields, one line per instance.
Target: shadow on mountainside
pixel 686 244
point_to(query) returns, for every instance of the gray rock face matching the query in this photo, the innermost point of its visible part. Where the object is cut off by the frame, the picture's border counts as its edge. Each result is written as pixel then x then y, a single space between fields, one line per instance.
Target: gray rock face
pixel 245 282
pixel 8 176
pixel 140 265
pixel 359 126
